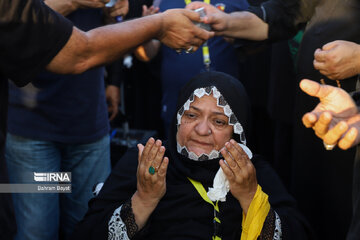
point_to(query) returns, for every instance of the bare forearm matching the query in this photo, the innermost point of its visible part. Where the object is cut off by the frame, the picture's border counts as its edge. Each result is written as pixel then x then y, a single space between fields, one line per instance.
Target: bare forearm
pixel 64 7
pixel 142 210
pixel 246 25
pixel 86 50
pixel 110 42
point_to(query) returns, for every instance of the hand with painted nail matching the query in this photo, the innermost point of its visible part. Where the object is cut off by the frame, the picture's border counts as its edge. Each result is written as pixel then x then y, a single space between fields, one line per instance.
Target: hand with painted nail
pixel 335 119
pixel 151 179
pixel 240 172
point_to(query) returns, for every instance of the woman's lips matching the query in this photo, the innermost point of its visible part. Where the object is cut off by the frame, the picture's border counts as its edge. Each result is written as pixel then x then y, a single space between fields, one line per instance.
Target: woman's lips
pixel 201 143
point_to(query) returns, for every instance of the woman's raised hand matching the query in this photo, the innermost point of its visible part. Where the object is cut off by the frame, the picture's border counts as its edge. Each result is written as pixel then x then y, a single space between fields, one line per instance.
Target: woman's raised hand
pixel 240 172
pixel 151 180
pixel 151 172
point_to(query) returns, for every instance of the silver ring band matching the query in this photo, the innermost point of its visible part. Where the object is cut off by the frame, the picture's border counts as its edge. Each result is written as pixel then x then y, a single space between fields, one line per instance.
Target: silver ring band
pixel 329 146
pixel 189 50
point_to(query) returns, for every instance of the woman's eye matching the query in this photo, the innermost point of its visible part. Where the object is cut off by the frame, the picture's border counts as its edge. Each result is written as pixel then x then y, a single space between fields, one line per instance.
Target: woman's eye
pixel 190 115
pixel 220 122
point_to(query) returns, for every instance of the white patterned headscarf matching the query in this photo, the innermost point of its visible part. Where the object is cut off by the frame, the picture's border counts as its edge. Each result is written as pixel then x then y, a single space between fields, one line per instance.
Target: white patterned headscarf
pixel 220 183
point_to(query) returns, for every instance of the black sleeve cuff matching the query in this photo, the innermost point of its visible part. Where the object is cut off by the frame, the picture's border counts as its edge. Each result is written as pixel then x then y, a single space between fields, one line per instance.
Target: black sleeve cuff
pixel 281 16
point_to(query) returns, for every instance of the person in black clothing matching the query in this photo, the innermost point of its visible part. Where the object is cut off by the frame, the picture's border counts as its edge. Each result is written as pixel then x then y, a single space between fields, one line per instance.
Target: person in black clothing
pixel 26 48
pixel 173 191
pixel 336 119
pixel 313 168
pixel 34 37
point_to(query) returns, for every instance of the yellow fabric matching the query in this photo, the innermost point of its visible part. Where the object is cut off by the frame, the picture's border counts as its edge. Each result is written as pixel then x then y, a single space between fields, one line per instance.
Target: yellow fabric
pixel 201 190
pixel 253 222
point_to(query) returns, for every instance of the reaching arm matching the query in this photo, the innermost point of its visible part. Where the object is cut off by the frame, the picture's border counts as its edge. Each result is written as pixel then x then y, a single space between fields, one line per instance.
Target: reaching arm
pixel 236 25
pixel 244 25
pixel 86 50
pixel 273 20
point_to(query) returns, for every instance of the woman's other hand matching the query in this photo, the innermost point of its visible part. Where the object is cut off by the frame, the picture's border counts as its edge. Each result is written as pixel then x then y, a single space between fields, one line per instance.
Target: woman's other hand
pixel 151 180
pixel 240 172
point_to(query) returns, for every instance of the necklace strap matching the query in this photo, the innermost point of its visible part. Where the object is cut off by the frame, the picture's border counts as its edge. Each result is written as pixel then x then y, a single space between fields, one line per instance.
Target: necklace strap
pixel 189 1
pixel 201 190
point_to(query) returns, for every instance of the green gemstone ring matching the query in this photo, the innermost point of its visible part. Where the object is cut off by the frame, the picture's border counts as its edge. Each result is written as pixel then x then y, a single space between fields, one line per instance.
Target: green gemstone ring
pixel 151 170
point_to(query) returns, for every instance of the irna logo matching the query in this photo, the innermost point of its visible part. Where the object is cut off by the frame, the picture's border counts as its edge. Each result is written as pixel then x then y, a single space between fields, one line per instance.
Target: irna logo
pixel 52 177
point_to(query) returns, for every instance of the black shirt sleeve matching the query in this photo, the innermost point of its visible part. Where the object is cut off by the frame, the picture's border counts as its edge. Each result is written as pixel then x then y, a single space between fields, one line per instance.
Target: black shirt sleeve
pixel 285 17
pixel 31 36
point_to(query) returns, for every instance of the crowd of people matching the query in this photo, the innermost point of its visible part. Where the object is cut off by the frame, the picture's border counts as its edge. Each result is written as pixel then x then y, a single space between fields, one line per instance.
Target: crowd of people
pixel 225 167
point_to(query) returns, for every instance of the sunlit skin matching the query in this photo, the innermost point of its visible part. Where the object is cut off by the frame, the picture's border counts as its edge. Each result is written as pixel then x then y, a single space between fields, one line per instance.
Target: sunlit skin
pixel 204 127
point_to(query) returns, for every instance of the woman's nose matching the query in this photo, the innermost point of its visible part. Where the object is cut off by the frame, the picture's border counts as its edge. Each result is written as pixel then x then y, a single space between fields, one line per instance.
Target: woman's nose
pixel 203 128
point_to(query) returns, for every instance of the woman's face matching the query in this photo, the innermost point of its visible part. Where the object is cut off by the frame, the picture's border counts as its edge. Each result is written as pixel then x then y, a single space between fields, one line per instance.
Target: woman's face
pixel 204 127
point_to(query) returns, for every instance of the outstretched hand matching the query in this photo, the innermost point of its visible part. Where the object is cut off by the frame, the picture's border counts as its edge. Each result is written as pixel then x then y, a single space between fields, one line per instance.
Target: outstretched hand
pixel 179 32
pixel 240 172
pixel 215 17
pixel 335 119
pixel 238 24
pixel 209 9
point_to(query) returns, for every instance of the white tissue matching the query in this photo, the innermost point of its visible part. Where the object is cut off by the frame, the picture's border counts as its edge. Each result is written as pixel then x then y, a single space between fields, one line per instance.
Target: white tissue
pixel 221 184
